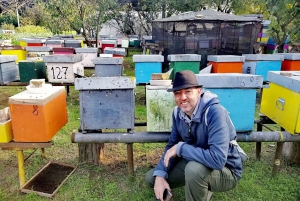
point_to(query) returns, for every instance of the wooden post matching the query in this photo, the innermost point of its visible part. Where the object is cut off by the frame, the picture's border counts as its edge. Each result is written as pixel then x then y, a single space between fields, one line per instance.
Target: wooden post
pixel 130 158
pixel 276 164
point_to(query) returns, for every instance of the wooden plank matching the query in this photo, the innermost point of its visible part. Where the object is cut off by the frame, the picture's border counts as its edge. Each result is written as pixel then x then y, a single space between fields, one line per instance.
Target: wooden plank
pixel 25 145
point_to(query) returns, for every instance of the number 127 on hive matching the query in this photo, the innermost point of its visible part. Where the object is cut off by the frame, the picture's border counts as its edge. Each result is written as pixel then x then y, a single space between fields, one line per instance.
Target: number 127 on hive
pixel 63 73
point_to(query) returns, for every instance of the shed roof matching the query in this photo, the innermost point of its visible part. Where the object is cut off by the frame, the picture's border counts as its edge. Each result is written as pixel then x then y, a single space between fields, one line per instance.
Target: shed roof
pixel 209 15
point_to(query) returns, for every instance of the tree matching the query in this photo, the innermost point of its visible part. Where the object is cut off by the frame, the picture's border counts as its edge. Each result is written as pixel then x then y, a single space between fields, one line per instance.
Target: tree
pixel 79 15
pixel 34 15
pixel 15 6
pixel 284 16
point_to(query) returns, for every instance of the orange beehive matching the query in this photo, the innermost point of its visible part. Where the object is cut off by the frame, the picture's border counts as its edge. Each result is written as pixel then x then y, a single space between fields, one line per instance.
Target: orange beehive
pixel 291 62
pixel 37 117
pixel 226 63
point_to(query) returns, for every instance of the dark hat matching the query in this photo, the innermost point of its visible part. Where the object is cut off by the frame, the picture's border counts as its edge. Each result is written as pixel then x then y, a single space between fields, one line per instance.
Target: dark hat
pixel 183 80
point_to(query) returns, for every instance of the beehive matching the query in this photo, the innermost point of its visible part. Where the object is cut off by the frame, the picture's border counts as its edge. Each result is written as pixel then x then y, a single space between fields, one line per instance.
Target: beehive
pixel 281 101
pixel 226 63
pixel 54 43
pixel 108 67
pixel 291 62
pixel 37 53
pixel 145 65
pixel 181 62
pixel 108 43
pixel 106 102
pixel 73 43
pixel 6 134
pixel 35 42
pixel 37 114
pixel 237 93
pixel 261 64
pixel 32 70
pixel 64 68
pixel 160 104
pixel 116 52
pixel 63 50
pixel 88 55
pixel 8 69
pixel 14 50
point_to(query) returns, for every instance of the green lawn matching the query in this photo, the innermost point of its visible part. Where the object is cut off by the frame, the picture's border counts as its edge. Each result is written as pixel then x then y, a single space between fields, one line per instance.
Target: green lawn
pixel 110 180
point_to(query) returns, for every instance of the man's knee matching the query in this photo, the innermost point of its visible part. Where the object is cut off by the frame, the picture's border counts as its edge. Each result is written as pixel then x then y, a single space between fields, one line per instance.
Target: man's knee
pixel 195 170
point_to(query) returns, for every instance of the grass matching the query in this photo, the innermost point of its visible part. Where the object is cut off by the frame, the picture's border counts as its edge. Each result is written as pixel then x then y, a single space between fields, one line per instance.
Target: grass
pixel 110 179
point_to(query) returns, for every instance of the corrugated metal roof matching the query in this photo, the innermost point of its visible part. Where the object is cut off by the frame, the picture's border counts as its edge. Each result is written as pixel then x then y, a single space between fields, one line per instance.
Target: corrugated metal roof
pixel 209 15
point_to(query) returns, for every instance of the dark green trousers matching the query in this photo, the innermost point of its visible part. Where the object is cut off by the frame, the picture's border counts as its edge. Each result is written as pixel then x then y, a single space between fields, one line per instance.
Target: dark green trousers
pixel 197 179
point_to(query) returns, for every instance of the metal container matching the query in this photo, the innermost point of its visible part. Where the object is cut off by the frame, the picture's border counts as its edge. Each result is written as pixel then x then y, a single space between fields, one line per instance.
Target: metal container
pixel 291 62
pixel 181 62
pixel 226 63
pixel 261 64
pixel 64 68
pixel 106 103
pixel 160 104
pixel 32 70
pixel 8 69
pixel 37 117
pixel 88 54
pixel 281 101
pixel 108 66
pixel 37 52
pixel 237 93
pixel 145 65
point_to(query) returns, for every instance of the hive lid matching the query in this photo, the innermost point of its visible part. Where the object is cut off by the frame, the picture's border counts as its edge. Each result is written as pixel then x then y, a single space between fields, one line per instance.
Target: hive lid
pixel 63 58
pixel 55 42
pixel 291 56
pixel 27 98
pixel 225 58
pixel 63 49
pixel 263 57
pixel 35 40
pixel 147 58
pixel 5 58
pixel 98 83
pixel 287 79
pixel 12 48
pixel 86 50
pixel 109 41
pixel 108 60
pixel 184 57
pixel 38 49
pixel 229 80
pixel 160 87
pixel 72 41
pixel 160 82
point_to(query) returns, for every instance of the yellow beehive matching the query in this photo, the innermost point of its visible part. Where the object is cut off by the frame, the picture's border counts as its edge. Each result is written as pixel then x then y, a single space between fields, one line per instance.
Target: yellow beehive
pixel 281 101
pixel 6 134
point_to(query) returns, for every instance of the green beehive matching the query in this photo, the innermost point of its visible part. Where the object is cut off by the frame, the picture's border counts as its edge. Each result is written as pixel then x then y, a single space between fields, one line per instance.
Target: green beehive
pixel 181 62
pixel 32 70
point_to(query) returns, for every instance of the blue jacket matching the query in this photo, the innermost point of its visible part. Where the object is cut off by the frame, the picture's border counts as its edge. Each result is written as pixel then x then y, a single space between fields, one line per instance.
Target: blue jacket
pixel 208 144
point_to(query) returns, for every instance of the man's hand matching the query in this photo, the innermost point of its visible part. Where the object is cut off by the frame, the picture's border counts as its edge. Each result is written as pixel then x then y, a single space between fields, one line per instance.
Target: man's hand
pixel 172 152
pixel 159 187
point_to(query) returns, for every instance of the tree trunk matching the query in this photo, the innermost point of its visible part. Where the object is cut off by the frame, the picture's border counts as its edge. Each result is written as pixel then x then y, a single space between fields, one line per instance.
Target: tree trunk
pixel 90 152
pixel 291 152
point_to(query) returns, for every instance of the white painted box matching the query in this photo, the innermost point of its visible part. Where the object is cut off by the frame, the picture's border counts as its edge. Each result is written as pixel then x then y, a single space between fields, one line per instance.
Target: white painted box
pixel 64 68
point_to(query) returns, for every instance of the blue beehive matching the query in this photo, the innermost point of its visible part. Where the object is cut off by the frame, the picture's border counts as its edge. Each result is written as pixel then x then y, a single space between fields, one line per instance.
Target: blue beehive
pixel 237 93
pixel 106 103
pixel 108 66
pixel 145 65
pixel 261 64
